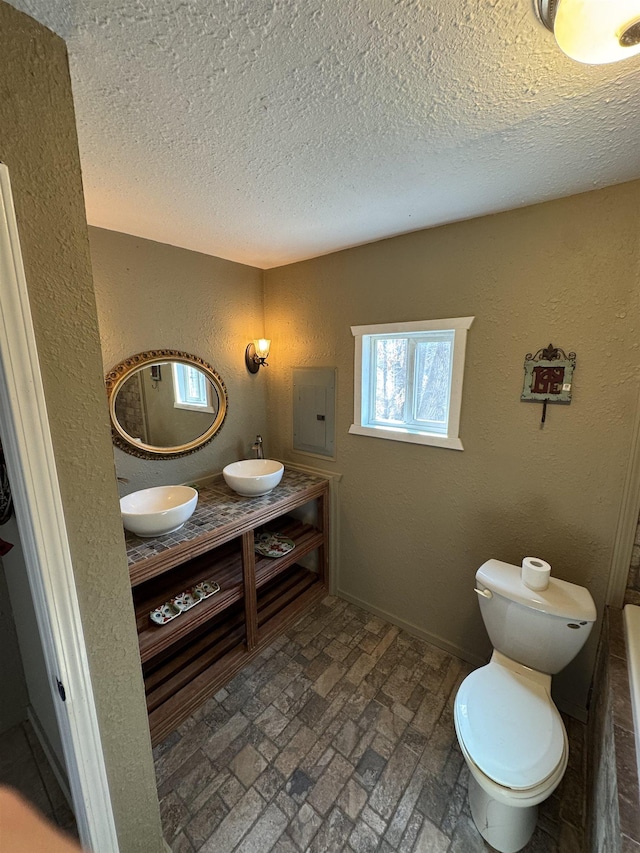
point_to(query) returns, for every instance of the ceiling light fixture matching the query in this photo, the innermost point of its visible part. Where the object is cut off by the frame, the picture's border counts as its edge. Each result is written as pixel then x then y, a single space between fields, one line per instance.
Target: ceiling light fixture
pixel 593 31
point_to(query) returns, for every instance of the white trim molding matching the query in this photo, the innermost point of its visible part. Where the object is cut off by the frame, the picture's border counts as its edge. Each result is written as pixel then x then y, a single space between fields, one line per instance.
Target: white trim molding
pixel 25 434
pixel 413 432
pixel 452 443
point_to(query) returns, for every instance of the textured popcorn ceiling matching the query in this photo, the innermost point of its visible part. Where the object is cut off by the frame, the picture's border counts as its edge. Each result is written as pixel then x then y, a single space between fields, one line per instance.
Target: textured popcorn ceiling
pixel 267 131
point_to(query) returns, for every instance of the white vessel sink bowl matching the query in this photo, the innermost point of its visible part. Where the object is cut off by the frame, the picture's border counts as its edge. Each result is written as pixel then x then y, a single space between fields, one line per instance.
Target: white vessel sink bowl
pixel 156 511
pixel 253 477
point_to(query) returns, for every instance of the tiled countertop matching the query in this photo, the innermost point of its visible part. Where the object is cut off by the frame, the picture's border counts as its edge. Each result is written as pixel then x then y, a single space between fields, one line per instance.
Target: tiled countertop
pixel 219 506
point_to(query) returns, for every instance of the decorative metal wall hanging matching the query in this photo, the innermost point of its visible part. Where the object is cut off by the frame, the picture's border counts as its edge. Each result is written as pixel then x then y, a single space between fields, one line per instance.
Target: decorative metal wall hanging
pixel 548 376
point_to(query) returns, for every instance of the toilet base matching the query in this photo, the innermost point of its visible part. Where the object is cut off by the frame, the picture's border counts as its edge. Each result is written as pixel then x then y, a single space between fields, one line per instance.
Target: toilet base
pixel 506 828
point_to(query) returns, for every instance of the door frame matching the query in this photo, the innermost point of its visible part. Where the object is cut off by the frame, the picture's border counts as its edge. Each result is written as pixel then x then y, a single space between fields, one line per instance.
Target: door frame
pixel 28 449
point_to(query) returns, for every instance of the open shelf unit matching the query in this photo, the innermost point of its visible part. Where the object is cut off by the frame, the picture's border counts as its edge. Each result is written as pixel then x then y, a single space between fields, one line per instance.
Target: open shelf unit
pixel 191 657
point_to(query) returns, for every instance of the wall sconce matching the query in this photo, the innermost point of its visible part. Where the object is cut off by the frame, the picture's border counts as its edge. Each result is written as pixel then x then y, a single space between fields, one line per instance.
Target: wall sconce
pixel 593 31
pixel 255 355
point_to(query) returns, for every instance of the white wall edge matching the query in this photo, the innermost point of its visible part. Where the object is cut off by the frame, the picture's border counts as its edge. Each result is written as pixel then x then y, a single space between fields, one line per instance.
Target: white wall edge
pixel 30 460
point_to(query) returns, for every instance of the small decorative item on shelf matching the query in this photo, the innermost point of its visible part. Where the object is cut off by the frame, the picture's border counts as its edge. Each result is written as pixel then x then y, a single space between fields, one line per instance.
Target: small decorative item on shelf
pixel 187 599
pixel 165 613
pixel 273 544
pixel 184 601
pixel 204 589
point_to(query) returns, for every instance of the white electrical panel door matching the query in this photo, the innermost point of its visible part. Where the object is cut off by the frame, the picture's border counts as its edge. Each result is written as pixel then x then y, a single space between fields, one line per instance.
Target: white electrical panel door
pixel 314 410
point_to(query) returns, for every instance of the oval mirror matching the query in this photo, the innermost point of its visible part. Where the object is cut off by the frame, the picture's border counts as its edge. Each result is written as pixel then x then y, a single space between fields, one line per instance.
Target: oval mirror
pixel 164 403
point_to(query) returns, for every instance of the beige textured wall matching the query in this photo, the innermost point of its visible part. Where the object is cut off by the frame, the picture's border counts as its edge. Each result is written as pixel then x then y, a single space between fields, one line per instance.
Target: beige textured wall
pixel 416 522
pixel 38 143
pixel 153 296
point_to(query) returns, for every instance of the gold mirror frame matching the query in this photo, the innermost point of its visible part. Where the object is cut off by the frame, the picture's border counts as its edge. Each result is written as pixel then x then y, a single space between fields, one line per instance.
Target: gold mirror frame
pixel 119 374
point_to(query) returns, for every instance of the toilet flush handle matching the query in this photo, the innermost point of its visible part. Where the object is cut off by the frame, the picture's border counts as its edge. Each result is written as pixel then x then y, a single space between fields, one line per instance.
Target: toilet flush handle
pixel 485 593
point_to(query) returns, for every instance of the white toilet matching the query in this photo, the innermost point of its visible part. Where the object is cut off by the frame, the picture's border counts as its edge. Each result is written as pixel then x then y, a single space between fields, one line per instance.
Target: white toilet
pixel 509 730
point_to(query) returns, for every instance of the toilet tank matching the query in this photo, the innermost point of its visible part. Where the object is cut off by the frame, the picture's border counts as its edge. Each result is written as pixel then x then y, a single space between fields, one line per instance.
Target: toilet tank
pixel 544 630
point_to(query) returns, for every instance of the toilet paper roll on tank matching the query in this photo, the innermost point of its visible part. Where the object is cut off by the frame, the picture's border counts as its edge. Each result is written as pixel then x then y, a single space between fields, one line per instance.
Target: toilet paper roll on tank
pixel 535 573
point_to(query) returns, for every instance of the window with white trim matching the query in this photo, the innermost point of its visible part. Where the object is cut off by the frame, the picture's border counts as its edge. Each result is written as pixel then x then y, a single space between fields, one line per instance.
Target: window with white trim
pixel 191 389
pixel 408 381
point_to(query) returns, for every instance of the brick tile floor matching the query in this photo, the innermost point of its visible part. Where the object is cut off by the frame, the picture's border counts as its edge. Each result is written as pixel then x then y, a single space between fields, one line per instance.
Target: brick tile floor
pixel 339 737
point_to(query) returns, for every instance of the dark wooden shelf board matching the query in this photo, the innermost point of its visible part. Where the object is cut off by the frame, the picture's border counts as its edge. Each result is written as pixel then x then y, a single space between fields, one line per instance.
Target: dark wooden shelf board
pixel 183 682
pixel 190 658
pixel 164 719
pixel 154 639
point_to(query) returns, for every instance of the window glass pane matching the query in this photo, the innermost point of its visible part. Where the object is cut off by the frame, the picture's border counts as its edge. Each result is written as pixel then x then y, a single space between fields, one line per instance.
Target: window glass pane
pixel 390 379
pixel 196 391
pixel 410 386
pixel 191 385
pixel 433 380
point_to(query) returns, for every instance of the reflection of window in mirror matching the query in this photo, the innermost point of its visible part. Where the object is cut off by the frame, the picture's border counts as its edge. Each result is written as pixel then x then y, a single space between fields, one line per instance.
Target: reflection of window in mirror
pixel 191 389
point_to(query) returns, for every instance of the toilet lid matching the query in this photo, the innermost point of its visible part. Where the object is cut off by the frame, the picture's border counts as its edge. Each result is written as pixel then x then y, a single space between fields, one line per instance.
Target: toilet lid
pixel 509 726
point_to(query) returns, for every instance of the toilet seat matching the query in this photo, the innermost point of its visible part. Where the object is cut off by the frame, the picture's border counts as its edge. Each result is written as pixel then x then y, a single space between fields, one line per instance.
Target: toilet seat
pixel 521 798
pixel 508 725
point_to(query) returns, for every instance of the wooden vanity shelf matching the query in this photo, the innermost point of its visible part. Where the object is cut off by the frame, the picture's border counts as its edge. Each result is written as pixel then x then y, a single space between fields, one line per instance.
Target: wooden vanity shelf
pixel 191 657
